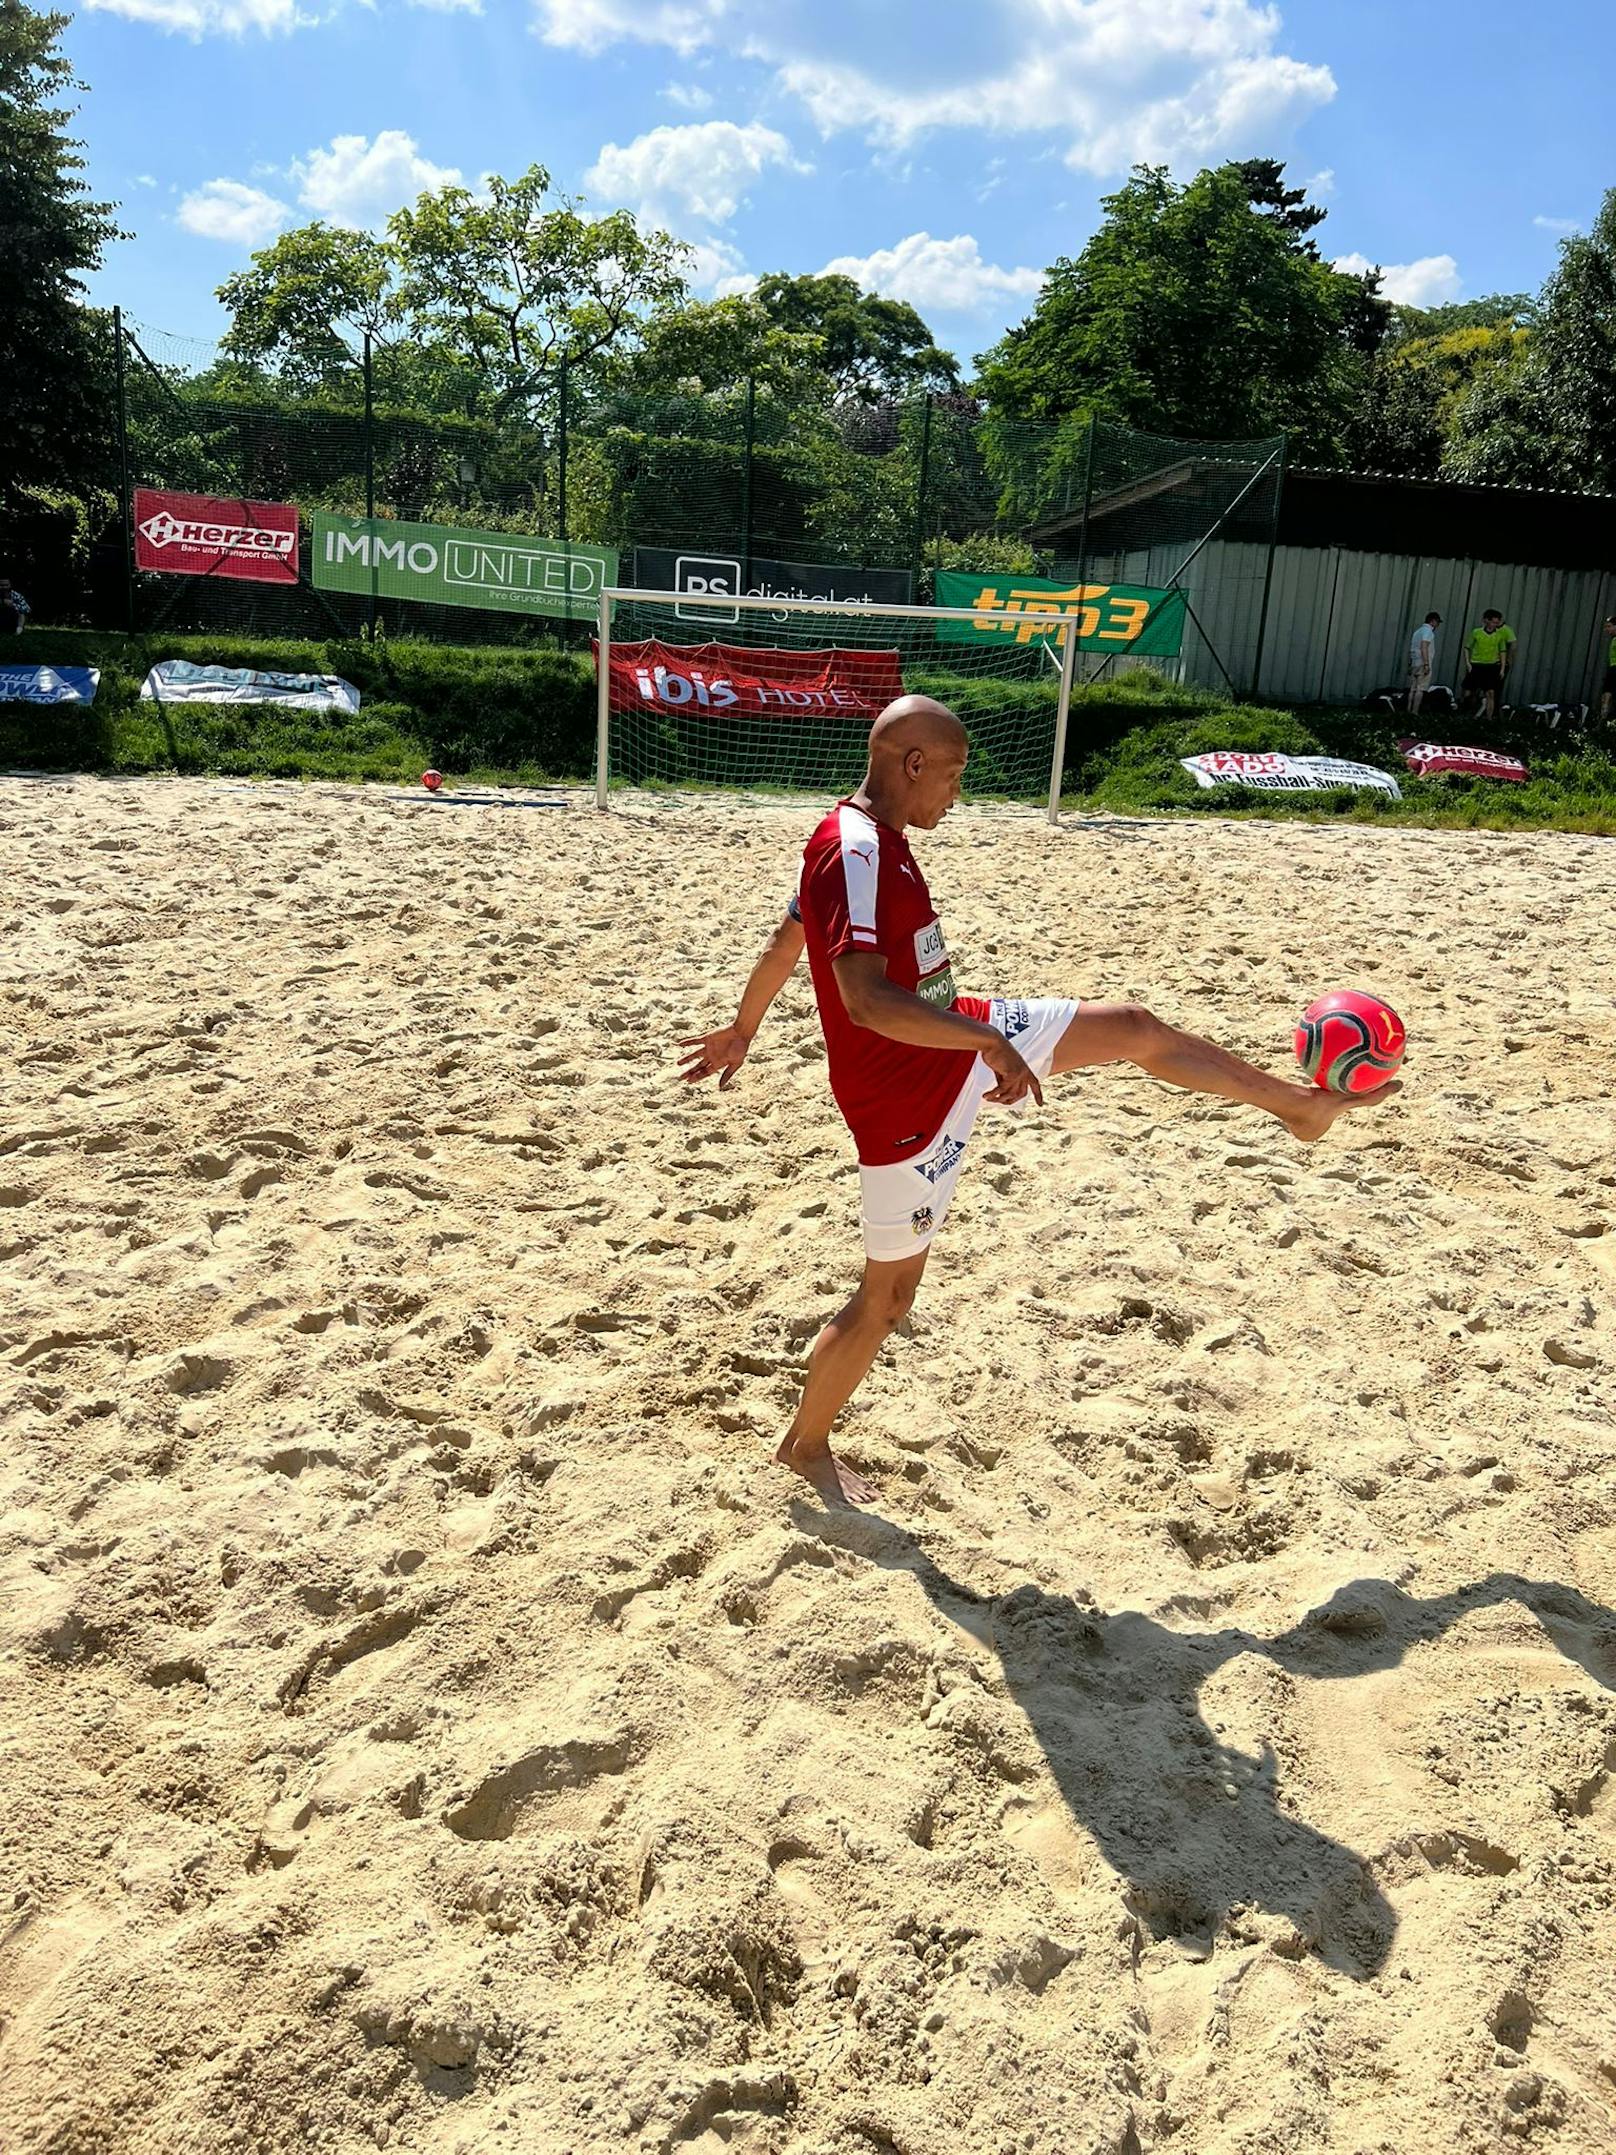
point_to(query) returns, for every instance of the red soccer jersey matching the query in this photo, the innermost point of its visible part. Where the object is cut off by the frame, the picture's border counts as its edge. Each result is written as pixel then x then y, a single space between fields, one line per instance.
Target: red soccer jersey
pixel 861 889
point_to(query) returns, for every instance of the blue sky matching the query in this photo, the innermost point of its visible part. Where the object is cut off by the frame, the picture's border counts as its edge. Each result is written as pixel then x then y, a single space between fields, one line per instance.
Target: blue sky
pixel 944 152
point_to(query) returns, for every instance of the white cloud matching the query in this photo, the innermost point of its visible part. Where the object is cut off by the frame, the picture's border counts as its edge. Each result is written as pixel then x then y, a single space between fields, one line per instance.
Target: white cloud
pixel 1322 183
pixel 1430 282
pixel 144 179
pixel 699 171
pixel 450 7
pixel 230 210
pixel 592 25
pixel 1562 225
pixel 360 183
pixel 715 267
pixel 947 275
pixel 1180 82
pixel 688 96
pixel 200 18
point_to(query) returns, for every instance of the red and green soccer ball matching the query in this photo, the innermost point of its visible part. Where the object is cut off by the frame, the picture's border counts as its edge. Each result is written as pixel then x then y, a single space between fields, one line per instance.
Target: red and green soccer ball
pixel 1350 1042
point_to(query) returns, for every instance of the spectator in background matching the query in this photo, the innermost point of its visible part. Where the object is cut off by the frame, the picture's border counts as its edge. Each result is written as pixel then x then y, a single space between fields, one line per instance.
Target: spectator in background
pixel 1607 698
pixel 1422 660
pixel 1491 654
pixel 14 609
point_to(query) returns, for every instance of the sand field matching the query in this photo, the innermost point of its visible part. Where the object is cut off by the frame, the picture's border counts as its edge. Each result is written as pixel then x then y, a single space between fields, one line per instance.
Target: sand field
pixel 428 1721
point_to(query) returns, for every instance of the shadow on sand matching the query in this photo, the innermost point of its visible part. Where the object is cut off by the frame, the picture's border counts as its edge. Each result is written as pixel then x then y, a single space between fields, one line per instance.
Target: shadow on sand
pixel 1191 1824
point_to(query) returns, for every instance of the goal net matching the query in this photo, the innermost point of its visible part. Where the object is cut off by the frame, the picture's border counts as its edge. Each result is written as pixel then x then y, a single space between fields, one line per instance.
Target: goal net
pixel 719 691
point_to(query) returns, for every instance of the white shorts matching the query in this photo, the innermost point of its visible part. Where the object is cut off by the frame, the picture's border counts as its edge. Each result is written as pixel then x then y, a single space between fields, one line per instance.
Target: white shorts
pixel 904 1204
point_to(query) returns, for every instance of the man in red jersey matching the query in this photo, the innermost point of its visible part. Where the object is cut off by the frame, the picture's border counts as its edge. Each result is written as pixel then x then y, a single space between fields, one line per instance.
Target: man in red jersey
pixel 912 1061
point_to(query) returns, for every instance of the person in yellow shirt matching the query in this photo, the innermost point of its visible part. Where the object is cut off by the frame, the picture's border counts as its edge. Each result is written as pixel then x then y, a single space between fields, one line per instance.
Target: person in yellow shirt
pixel 1607 700
pixel 1491 652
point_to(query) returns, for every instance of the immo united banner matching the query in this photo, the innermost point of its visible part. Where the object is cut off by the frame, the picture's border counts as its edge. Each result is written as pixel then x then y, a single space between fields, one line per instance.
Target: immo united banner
pixel 443 565
pixel 1132 620
pixel 716 681
pixel 250 542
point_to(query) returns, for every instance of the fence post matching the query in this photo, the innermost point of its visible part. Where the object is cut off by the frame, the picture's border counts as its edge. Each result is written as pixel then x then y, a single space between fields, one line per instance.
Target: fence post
pixel 1063 712
pixel 603 693
pixel 561 459
pixel 920 487
pixel 1088 496
pixel 1268 572
pixel 126 516
pixel 370 487
pixel 746 483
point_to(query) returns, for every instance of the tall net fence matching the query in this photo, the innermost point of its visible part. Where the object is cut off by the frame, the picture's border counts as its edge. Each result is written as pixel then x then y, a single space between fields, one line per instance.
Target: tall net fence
pixel 759 487
pixel 701 693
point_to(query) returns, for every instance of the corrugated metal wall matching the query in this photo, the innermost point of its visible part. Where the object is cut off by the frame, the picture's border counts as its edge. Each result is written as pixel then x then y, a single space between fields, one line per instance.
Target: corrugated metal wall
pixel 1339 622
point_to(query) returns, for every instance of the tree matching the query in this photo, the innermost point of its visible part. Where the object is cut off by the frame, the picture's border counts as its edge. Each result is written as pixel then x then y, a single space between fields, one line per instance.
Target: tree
pixel 710 346
pixel 54 353
pixel 471 301
pixel 1201 310
pixel 1549 417
pixel 870 347
pixel 1406 414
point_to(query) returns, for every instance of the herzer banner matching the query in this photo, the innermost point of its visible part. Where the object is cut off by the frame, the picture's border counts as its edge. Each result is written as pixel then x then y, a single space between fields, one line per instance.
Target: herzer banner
pixel 442 565
pixel 253 542
pixel 1130 620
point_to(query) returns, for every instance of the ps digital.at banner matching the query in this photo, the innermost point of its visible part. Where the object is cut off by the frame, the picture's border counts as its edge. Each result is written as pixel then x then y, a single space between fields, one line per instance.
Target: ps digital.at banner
pixel 1431 758
pixel 250 542
pixel 715 681
pixel 1129 620
pixel 49 684
pixel 1285 774
pixel 442 565
pixel 665 568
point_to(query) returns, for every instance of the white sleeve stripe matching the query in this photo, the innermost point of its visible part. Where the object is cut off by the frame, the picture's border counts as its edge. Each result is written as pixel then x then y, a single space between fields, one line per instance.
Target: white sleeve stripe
pixel 861 851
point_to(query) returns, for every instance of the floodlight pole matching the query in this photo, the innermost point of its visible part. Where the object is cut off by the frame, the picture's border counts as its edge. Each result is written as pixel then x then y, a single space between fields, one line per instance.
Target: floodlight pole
pixel 603 692
pixel 370 486
pixel 1063 712
pixel 126 516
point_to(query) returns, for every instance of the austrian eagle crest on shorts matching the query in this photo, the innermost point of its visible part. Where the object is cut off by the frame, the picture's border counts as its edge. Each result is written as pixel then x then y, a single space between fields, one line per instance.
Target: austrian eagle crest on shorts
pixel 921 1221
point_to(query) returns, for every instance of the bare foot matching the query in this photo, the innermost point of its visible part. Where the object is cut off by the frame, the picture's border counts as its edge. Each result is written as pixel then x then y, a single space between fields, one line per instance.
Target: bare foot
pixel 1315 1109
pixel 836 1481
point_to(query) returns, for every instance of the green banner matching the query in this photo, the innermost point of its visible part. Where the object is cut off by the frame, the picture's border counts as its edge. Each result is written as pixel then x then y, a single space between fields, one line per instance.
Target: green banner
pixel 505 571
pixel 1128 619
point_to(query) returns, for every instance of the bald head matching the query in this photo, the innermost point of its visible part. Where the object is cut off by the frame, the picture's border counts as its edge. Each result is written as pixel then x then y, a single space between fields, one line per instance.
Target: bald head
pixel 917 758
pixel 915 722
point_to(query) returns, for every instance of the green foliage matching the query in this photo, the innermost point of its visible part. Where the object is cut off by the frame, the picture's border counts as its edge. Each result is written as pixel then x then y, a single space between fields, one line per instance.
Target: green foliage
pixel 55 354
pixel 1548 417
pixel 1414 390
pixel 1201 310
pixel 869 347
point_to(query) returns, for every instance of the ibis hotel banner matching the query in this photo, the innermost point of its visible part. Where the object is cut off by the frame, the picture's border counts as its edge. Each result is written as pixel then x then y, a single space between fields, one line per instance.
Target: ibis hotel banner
pixel 251 542
pixel 1129 620
pixel 441 565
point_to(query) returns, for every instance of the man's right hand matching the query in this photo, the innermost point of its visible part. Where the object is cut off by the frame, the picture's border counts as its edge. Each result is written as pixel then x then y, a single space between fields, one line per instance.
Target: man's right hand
pixel 1015 1077
pixel 722 1052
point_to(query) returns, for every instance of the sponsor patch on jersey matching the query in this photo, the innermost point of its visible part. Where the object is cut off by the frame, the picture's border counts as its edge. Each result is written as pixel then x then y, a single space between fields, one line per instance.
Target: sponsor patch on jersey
pixel 939 989
pixel 930 950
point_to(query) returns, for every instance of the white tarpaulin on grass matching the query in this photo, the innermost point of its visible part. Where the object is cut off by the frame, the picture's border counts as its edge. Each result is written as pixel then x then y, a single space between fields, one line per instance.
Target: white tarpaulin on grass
pixel 1285 774
pixel 176 680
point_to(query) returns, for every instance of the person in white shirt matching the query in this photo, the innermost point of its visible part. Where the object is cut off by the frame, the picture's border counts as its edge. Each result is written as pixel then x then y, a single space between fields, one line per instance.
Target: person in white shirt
pixel 1422 660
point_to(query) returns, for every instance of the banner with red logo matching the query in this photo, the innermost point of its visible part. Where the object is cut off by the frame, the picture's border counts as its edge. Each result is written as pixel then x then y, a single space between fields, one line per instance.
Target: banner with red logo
pixel 1429 758
pixel 254 542
pixel 722 681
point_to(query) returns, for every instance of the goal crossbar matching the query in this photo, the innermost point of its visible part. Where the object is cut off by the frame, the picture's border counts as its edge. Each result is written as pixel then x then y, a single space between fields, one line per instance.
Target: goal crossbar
pixel 733 602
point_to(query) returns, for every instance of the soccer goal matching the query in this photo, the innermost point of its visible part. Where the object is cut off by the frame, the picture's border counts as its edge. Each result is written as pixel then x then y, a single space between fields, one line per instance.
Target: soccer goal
pixel 717 691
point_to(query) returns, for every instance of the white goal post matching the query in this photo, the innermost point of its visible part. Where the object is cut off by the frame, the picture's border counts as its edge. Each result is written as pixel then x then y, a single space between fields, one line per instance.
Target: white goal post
pixel 787 751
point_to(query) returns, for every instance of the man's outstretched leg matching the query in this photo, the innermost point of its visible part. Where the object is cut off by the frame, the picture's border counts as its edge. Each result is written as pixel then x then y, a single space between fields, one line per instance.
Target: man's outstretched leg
pixel 838 1363
pixel 1126 1033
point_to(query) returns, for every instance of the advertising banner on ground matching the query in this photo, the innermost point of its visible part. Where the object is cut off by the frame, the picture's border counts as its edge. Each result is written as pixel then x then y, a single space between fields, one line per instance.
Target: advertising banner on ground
pixel 176 680
pixel 1130 620
pixel 442 565
pixel 666 568
pixel 249 542
pixel 1285 774
pixel 49 684
pixel 1430 759
pixel 715 681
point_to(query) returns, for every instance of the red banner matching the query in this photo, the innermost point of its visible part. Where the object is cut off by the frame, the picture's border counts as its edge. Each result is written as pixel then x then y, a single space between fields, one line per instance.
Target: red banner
pixel 1430 757
pixel 723 681
pixel 254 542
